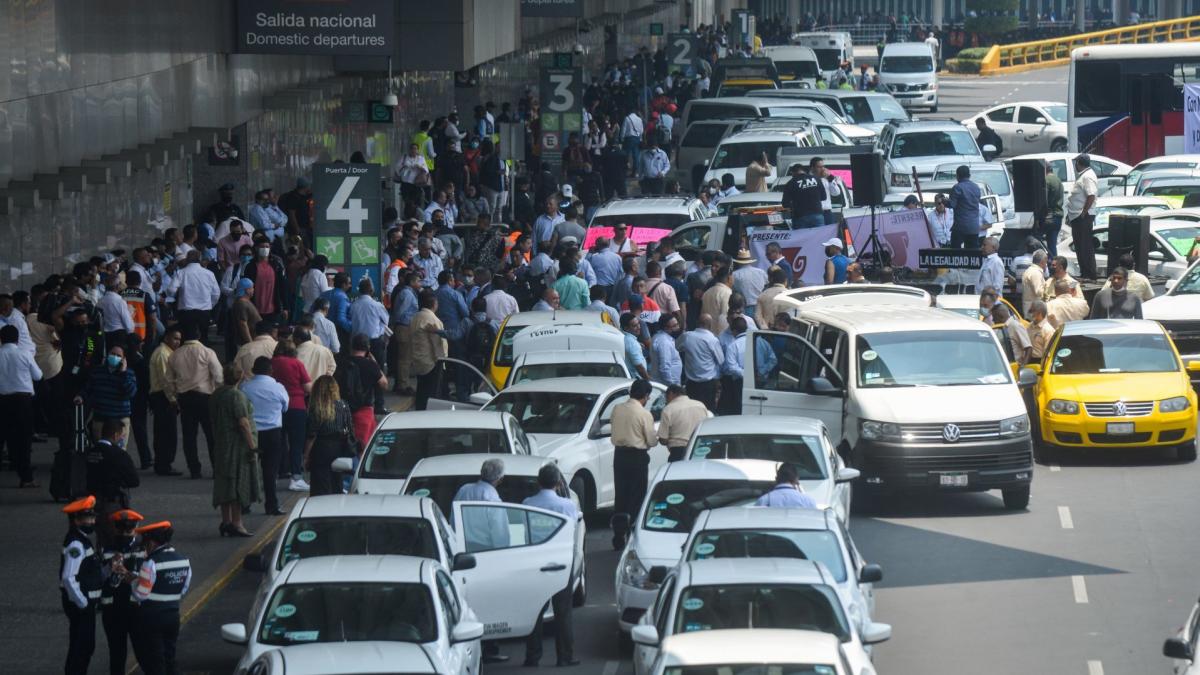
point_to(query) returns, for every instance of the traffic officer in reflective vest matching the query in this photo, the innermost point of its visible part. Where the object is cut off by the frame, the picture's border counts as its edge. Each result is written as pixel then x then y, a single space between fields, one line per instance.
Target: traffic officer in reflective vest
pixel 80 579
pixel 122 559
pixel 162 581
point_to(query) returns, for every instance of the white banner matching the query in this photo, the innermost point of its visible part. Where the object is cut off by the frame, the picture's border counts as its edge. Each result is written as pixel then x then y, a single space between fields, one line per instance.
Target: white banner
pixel 1191 118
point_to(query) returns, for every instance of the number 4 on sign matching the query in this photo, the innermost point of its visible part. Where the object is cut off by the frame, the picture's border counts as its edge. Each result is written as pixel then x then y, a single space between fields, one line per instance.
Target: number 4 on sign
pixel 344 208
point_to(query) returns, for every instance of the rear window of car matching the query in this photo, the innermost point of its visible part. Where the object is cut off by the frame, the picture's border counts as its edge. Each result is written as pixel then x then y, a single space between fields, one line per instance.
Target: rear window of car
pixel 704 135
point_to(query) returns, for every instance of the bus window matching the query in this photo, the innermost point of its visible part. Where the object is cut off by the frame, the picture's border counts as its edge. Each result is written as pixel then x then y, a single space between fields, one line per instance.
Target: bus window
pixel 1094 93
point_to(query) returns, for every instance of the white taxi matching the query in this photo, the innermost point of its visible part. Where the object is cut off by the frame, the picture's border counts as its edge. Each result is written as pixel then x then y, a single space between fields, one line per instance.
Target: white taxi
pixel 363 600
pixel 569 420
pixel 800 441
pixel 1181 648
pixel 712 595
pixel 679 492
pixel 345 658
pixel 403 439
pixel 757 650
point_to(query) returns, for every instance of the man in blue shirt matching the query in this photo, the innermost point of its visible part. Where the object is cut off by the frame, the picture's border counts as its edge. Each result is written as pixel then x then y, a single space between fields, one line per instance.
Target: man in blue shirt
pixel 270 400
pixel 653 166
pixel 732 371
pixel 543 227
pixel 634 358
pixel 339 306
pixel 786 493
pixel 702 360
pixel 369 317
pixel 606 264
pixel 964 201
pixel 266 217
pixel 668 367
pixel 550 481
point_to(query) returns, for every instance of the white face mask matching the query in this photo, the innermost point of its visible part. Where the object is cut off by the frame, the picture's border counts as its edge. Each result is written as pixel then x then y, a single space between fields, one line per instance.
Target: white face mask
pixel 264 252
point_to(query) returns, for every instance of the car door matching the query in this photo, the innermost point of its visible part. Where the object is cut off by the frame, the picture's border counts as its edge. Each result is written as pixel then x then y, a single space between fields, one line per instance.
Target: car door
pixel 794 385
pixel 692 240
pixel 645 655
pixel 458 657
pixel 601 448
pixel 523 556
pixel 1003 121
pixel 456 381
pixel 1031 132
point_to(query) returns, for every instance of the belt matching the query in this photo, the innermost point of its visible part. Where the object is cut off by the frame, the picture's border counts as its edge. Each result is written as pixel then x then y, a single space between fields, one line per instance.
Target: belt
pixel 630 448
pixel 163 597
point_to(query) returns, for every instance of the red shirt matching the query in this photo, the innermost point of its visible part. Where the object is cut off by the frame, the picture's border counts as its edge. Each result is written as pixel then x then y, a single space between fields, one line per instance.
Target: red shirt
pixel 291 373
pixel 264 287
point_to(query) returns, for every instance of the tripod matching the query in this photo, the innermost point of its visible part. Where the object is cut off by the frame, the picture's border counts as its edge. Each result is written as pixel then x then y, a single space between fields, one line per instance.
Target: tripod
pixel 875 247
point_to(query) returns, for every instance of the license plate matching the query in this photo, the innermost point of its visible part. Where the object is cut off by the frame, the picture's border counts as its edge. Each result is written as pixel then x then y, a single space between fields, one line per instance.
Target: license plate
pixel 1120 427
pixel 953 480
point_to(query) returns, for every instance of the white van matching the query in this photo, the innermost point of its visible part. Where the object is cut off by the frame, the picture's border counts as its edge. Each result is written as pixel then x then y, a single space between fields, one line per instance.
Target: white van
pixel 831 49
pixel 916 398
pixel 794 63
pixel 909 72
pixel 736 152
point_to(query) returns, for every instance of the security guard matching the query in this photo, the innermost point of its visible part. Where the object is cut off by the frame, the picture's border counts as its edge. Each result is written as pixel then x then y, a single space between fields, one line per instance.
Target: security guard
pixel 122 559
pixel 162 581
pixel 80 579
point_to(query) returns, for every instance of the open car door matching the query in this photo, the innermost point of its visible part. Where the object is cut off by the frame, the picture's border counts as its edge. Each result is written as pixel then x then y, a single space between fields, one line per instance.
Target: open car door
pixel 456 382
pixel 787 375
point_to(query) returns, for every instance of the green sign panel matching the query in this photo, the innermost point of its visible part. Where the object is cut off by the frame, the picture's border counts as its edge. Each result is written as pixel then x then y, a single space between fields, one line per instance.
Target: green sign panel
pixel 380 113
pixel 656 29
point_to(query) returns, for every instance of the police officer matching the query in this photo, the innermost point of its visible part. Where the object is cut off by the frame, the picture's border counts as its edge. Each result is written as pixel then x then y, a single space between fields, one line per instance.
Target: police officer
pixel 80 579
pixel 122 559
pixel 162 581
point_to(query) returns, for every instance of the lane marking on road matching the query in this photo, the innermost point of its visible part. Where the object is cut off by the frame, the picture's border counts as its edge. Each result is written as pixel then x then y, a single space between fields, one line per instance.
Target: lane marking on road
pixel 1064 518
pixel 1080 589
pixel 1095 668
pixel 610 667
pixel 1055 467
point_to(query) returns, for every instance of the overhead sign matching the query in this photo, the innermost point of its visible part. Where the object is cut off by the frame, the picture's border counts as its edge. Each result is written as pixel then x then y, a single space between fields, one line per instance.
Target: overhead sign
pixel 379 113
pixel 348 209
pixel 656 29
pixel 362 27
pixel 743 26
pixel 1191 118
pixel 562 101
pixel 681 51
pixel 552 8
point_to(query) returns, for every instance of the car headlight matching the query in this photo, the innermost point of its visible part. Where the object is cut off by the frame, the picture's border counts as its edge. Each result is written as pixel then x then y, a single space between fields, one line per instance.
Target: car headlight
pixel 1015 426
pixel 877 431
pixel 1063 407
pixel 1177 404
pixel 901 180
pixel 933 87
pixel 633 573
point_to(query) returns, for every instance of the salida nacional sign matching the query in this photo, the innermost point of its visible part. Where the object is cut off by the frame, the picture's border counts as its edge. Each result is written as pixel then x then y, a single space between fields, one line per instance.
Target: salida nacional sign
pixel 343 27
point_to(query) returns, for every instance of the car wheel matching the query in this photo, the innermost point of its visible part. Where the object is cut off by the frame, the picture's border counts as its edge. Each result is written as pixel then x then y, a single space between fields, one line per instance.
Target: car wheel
pixel 1059 145
pixel 1016 499
pixel 579 599
pixel 1043 453
pixel 933 109
pixel 579 486
pixel 1186 452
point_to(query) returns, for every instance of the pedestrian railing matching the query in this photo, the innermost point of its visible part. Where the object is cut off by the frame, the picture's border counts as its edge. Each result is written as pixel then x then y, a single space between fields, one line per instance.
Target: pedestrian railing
pixel 1057 51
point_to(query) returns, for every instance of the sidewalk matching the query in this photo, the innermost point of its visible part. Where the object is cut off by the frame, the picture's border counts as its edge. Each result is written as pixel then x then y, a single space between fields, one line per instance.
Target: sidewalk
pixel 33 629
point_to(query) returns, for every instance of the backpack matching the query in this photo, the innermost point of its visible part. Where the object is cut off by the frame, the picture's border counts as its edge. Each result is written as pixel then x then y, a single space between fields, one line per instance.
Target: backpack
pixel 663 136
pixel 480 339
pixel 354 392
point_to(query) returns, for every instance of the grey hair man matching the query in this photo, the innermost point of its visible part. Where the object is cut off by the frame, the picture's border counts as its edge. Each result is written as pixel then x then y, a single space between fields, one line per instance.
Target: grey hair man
pixel 991 273
pixel 485 528
pixel 1033 280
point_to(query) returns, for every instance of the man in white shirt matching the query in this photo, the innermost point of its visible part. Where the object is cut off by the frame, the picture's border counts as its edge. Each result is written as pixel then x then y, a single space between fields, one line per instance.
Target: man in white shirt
pixel 315 281
pixel 991 273
pixel 196 293
pixel 1080 217
pixel 499 303
pixel 11 316
pixel 18 371
pixel 323 328
pixel 941 219
pixel 632 130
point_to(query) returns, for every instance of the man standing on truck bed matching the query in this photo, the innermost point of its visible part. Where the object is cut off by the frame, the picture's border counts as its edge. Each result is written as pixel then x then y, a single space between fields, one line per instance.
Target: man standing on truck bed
pixel 803 196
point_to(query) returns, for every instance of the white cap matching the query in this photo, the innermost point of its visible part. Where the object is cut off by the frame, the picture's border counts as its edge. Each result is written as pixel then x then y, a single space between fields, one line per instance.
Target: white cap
pixel 834 242
pixel 568 191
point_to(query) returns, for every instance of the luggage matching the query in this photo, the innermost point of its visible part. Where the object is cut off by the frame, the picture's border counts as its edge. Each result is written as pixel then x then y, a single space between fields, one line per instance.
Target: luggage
pixel 68 475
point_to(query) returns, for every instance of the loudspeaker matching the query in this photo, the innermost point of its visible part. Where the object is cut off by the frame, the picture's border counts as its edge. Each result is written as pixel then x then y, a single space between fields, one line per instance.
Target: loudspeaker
pixel 1128 234
pixel 1029 185
pixel 866 170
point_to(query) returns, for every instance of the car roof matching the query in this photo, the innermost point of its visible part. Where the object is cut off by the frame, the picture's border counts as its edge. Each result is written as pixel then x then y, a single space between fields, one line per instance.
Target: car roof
pixel 355 568
pixel 1157 224
pixel 469 464
pixel 958 300
pixel 756 135
pixel 1039 103
pixel 1170 158
pixel 718 469
pixel 750 646
pixel 753 424
pixel 892 318
pixel 1131 200
pixel 743 517
pixel 353 658
pixel 753 570
pixel 571 385
pixel 572 356
pixel 533 318
pixel 640 205
pixel 330 506
pixel 912 126
pixel 913 47
pixel 443 419
pixel 1113 327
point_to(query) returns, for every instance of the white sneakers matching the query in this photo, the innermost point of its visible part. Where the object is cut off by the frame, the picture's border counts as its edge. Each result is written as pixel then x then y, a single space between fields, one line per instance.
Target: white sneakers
pixel 298 485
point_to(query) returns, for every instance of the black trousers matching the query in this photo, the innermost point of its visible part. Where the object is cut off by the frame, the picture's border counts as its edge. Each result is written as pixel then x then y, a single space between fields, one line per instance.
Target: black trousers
pixel 155 632
pixel 82 637
pixel 1085 250
pixel 321 479
pixel 731 396
pixel 564 629
pixel 270 453
pixel 193 415
pixel 960 240
pixel 426 387
pixel 117 619
pixel 16 433
pixel 629 481
pixel 705 392
pixel 199 318
pixel 676 454
pixel 139 409
pixel 165 432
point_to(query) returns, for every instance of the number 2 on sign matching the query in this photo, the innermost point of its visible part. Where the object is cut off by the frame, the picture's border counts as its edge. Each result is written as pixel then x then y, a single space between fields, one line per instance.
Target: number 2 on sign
pixel 342 207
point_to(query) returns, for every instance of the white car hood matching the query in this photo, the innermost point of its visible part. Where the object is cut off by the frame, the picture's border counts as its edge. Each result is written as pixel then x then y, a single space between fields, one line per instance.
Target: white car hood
pixel 1173 307
pixel 927 165
pixel 545 445
pixel 658 548
pixel 378 486
pixel 939 405
pixel 821 491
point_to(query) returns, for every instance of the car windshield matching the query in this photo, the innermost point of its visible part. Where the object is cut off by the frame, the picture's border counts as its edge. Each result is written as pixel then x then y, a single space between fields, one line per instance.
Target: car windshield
pixel 1113 353
pixel 995 179
pixel 906 64
pixel 739 155
pixel 829 58
pixel 674 504
pixel 797 69
pixel 393 452
pixel 929 359
pixel 1181 239
pixel 1189 283
pixel 754 669
pixel 504 353
pixel 663 222
pixel 356 535
pixel 933 144
pixel 761 605
pixel 1135 175
pixel 546 412
pixel 806 452
pixel 873 108
pixel 442 489
pixel 1057 112
pixel 349 612
pixel 819 545
pixel 543 371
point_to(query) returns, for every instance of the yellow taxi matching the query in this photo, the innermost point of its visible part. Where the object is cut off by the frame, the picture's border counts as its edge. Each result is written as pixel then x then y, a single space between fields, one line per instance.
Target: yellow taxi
pixel 1116 383
pixel 502 351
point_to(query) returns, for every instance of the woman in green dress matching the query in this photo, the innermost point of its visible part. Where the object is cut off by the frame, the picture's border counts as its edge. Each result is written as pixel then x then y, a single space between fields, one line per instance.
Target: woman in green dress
pixel 236 480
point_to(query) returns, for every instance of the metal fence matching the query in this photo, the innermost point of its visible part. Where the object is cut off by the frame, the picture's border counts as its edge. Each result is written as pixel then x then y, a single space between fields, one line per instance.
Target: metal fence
pixel 869 34
pixel 1057 51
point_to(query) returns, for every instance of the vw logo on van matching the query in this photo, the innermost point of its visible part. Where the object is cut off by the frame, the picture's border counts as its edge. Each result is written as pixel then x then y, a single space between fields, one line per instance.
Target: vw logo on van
pixel 1119 409
pixel 951 433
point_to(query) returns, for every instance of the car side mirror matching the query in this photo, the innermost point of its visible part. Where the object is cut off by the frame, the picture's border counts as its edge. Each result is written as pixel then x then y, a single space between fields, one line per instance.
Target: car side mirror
pixel 823 387
pixel 604 430
pixel 1193 366
pixel 463 562
pixel 988 148
pixel 870 574
pixel 342 465
pixel 706 162
pixel 466 631
pixel 255 562
pixel 644 634
pixel 1027 376
pixel 480 398
pixel 1156 256
pixel 875 633
pixel 847 474
pixel 1178 648
pixel 657 574
pixel 1041 120
pixel 234 633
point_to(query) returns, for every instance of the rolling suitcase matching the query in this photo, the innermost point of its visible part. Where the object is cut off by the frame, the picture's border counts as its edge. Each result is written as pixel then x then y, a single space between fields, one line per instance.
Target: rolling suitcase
pixel 68 475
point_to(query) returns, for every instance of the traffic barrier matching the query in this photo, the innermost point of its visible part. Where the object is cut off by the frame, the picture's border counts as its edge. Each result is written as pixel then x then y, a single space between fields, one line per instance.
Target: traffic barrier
pixel 1024 56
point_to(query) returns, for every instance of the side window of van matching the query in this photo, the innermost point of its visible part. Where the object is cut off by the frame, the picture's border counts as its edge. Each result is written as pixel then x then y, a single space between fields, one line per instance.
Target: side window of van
pixel 703 136
pixel 828 342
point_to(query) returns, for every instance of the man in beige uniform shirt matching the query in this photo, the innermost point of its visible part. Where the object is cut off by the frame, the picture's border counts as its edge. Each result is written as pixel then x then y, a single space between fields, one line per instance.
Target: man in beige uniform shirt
pixel 1066 306
pixel 632 437
pixel 193 373
pixel 679 420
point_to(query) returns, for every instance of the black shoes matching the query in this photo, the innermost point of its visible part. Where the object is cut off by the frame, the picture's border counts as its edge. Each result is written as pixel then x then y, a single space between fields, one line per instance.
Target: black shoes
pixel 568 662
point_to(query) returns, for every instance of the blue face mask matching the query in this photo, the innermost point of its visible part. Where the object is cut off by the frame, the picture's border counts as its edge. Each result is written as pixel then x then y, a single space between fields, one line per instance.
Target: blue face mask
pixel 247 258
pixel 114 361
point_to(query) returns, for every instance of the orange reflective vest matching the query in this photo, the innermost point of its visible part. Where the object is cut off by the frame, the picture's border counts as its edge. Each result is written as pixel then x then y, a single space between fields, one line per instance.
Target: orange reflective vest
pixel 135 298
pixel 396 265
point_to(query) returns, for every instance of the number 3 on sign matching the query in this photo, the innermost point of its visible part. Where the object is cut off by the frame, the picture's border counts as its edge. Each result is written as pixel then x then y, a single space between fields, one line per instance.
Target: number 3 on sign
pixel 342 207
pixel 563 99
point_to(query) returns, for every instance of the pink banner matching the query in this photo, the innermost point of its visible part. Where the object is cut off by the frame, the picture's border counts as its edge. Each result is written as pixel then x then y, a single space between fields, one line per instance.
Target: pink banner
pixel 640 235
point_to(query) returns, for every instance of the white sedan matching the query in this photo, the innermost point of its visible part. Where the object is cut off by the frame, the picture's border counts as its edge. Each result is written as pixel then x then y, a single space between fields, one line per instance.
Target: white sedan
pixel 345 658
pixel 707 595
pixel 365 600
pixel 1170 241
pixel 802 441
pixel 757 650
pixel 1063 165
pixel 1181 648
pixel 1027 126
pixel 570 421
pixel 1178 310
pixel 403 439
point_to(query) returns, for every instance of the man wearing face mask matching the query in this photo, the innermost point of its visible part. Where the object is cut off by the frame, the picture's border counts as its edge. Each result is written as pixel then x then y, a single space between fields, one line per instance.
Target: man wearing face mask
pixel 162 581
pixel 665 365
pixel 229 247
pixel 110 476
pixel 225 207
pixel 80 582
pixel 109 392
pixel 268 275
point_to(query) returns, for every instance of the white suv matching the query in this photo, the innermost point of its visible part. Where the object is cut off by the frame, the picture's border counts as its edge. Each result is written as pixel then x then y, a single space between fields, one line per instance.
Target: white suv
pixel 923 145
